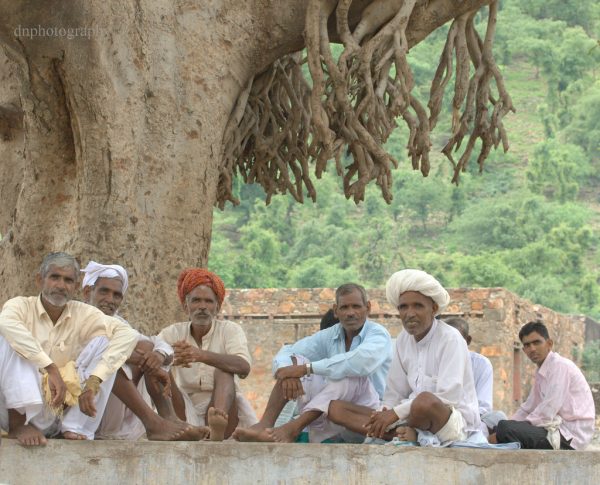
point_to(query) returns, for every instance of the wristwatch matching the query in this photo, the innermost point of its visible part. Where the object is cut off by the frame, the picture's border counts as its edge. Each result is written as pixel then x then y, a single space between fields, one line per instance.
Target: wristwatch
pixel 309 369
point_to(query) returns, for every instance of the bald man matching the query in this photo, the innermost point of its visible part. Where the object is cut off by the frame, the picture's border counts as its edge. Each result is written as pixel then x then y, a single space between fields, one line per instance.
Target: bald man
pixel 430 395
pixel 211 355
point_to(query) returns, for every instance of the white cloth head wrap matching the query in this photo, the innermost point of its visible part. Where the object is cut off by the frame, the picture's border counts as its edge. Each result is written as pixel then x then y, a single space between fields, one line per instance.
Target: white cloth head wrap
pixel 416 280
pixel 94 270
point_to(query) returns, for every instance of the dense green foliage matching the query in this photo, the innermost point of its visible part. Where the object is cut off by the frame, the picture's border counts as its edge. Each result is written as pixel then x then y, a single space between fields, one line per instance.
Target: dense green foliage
pixel 527 223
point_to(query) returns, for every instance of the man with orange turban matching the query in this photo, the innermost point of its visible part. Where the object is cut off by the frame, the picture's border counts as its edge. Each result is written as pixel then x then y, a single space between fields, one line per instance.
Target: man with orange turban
pixel 210 356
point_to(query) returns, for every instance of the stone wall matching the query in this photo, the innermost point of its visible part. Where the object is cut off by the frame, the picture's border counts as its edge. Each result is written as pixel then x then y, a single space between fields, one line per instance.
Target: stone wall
pixel 64 462
pixel 272 317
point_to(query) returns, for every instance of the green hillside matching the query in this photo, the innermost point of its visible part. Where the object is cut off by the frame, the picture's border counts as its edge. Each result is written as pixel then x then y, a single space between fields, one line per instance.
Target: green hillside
pixel 529 222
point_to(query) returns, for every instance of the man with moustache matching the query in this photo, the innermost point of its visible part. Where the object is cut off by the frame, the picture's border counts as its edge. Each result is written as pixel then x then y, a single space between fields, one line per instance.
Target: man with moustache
pixel 559 412
pixel 75 345
pixel 129 414
pixel 210 356
pixel 347 361
pixel 430 394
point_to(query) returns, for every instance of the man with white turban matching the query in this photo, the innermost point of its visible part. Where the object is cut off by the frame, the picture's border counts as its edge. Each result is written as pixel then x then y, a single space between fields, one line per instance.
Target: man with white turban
pixel 143 378
pixel 430 392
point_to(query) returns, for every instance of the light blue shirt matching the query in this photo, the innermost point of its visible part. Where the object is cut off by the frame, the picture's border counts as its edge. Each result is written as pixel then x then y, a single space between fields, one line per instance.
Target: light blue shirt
pixel 370 354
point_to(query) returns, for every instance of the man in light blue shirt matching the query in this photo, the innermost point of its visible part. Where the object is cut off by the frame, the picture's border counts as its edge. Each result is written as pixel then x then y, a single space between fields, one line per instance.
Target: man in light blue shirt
pixel 348 361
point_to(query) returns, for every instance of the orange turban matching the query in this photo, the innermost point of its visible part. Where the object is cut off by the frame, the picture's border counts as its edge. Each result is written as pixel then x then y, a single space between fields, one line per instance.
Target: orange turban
pixel 190 278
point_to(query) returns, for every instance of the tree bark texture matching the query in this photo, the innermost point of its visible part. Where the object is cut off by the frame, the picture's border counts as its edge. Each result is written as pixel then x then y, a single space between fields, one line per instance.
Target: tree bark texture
pixel 111 137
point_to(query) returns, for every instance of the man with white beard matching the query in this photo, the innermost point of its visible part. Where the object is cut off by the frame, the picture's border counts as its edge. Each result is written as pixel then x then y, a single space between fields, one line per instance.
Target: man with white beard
pixel 74 345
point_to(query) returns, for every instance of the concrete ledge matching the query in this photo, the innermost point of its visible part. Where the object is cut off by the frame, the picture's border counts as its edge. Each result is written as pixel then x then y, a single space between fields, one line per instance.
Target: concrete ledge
pixel 115 462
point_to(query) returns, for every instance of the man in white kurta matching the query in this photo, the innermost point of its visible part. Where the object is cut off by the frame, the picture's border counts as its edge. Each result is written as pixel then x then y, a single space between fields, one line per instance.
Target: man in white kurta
pixel 430 385
pixel 129 413
pixel 211 355
pixel 429 388
pixel 46 333
pixel 483 372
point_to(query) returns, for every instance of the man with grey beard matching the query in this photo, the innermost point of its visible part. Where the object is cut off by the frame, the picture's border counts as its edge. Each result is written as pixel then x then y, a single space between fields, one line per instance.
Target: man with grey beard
pixel 76 346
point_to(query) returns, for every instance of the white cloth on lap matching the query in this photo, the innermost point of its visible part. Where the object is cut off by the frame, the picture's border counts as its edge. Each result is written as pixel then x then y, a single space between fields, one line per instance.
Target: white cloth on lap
pixel 20 389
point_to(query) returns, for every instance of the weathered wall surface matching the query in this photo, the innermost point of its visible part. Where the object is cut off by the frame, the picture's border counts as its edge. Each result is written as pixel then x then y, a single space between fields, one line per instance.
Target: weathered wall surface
pixel 272 317
pixel 149 463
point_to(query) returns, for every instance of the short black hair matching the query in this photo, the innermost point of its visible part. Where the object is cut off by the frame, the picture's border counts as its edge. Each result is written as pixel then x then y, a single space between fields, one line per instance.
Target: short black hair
pixel 458 323
pixel 535 326
pixel 348 288
pixel 329 319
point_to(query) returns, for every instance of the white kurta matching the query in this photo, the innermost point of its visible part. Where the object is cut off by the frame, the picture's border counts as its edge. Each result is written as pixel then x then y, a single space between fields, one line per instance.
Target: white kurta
pixel 483 374
pixel 439 364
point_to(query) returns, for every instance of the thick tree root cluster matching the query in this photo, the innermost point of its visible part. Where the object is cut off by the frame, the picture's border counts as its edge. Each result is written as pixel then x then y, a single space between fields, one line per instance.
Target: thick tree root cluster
pixel 282 127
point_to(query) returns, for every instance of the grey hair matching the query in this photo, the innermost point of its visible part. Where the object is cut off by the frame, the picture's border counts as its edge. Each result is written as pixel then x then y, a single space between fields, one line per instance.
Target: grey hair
pixel 458 323
pixel 60 260
pixel 348 288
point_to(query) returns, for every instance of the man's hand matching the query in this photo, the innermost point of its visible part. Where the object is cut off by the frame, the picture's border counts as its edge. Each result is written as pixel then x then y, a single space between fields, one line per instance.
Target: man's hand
pixel 58 388
pixel 186 353
pixel 87 404
pixel 86 398
pixel 290 371
pixel 161 377
pixel 152 361
pixel 379 421
pixel 292 388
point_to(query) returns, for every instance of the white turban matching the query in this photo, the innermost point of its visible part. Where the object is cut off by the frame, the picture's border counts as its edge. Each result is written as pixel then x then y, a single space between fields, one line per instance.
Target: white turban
pixel 94 270
pixel 416 280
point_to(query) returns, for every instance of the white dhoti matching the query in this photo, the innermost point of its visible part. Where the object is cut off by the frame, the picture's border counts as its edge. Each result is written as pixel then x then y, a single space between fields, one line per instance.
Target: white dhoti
pixel 20 389
pixel 319 391
pixel 119 422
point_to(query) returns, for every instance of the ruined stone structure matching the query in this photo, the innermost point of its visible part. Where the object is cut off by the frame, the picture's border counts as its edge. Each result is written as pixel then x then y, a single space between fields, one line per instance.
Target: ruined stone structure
pixel 272 317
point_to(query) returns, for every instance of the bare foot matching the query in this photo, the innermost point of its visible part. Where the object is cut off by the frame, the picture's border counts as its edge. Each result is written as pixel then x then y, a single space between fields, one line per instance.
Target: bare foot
pixel 217 422
pixel 197 433
pixel 405 433
pixel 283 434
pixel 165 430
pixel 28 435
pixel 252 434
pixel 70 435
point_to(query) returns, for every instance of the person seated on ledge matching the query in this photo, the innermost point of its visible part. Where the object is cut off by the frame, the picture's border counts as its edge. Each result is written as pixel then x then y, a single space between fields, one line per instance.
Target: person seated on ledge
pixel 430 384
pixel 210 356
pixel 290 410
pixel 483 373
pixel 347 361
pixel 77 347
pixel 559 412
pixel 127 414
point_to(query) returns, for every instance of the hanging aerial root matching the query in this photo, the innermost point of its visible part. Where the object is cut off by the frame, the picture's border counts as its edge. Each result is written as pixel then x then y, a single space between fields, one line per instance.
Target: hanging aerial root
pixel 282 128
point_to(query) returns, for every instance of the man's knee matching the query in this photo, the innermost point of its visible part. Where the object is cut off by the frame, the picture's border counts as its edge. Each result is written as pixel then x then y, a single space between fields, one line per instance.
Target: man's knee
pixel 143 346
pixel 504 431
pixel 335 411
pixel 425 404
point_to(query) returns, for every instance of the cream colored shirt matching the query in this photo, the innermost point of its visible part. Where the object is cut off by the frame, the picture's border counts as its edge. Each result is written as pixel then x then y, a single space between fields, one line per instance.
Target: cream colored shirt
pixel 224 337
pixel 27 327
